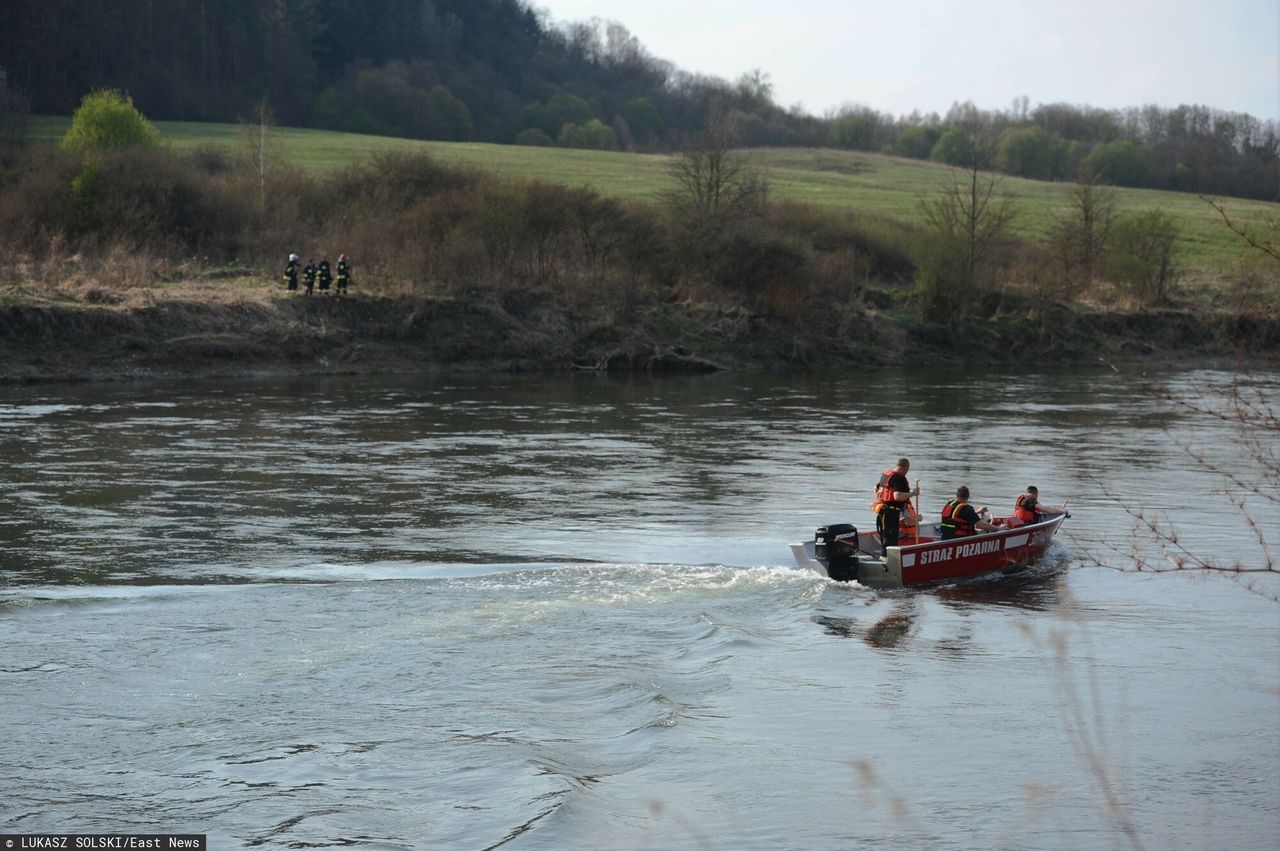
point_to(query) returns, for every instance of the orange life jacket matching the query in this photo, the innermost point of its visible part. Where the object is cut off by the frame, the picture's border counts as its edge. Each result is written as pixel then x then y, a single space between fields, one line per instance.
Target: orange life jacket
pixel 951 521
pixel 1025 513
pixel 884 493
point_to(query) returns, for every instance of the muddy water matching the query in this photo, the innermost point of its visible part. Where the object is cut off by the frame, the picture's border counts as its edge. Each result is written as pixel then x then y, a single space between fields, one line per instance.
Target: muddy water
pixel 559 612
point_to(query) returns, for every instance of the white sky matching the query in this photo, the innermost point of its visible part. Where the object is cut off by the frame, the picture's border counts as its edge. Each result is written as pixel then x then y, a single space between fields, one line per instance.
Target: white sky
pixel 900 55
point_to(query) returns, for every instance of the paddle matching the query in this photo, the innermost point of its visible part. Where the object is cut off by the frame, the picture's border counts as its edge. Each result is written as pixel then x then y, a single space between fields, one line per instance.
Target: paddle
pixel 918 514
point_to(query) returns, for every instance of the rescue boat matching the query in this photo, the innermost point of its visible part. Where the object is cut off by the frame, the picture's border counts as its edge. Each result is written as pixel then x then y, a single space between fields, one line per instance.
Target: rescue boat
pixel 843 553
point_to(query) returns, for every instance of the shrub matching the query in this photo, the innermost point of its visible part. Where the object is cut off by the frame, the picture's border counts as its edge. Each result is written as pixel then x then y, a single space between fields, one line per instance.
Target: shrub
pixel 87 190
pixel 752 261
pixel 592 134
pixel 107 119
pixel 534 138
pixel 35 199
pixel 882 246
pixel 147 198
pixel 155 200
pixel 1142 256
pixel 393 181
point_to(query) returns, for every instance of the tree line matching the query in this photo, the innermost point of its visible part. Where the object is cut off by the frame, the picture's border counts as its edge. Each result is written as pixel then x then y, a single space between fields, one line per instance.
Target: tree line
pixel 499 71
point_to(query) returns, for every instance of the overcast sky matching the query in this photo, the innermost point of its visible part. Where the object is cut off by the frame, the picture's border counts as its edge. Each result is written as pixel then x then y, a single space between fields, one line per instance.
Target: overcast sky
pixel 925 54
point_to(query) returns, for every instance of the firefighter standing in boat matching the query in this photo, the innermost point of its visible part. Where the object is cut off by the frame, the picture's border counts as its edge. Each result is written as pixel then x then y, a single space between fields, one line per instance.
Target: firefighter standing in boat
pixel 893 496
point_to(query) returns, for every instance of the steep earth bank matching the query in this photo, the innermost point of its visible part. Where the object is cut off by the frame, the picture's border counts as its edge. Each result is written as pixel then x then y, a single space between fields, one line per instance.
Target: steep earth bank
pixel 94 339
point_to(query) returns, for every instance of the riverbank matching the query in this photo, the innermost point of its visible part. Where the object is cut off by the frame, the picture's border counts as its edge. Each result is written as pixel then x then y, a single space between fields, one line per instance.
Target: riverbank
pixel 199 331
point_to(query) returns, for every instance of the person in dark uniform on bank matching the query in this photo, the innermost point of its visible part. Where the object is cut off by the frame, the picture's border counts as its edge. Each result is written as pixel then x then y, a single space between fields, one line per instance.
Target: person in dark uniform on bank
pixel 960 519
pixel 893 494
pixel 326 275
pixel 291 274
pixel 309 276
pixel 344 274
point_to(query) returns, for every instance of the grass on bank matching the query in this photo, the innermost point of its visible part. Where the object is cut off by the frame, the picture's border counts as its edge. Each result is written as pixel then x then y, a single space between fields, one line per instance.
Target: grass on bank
pixel 870 183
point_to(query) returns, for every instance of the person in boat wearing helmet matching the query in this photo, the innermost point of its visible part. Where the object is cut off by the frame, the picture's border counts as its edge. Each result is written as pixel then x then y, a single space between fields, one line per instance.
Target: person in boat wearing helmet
pixel 1028 509
pixel 960 519
pixel 893 496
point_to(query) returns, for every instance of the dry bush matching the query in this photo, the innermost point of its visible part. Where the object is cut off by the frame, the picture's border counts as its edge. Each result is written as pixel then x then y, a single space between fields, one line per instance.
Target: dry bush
pixel 151 199
pixel 886 244
pixel 1033 275
pixel 1252 287
pixel 618 297
pixel 548 222
pixel 841 276
pixel 1141 256
pixel 393 181
pixel 35 197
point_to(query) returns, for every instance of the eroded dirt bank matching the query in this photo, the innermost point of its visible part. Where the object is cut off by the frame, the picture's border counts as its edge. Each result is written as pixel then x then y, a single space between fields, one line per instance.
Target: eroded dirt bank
pixel 167 335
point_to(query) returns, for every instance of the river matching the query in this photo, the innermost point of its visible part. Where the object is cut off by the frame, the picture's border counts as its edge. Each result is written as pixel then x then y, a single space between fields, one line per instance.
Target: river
pixel 548 611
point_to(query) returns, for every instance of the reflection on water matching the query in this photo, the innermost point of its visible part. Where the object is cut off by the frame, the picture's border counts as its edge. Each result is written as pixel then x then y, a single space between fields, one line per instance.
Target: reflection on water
pixel 889 626
pixel 1035 588
pixel 887 633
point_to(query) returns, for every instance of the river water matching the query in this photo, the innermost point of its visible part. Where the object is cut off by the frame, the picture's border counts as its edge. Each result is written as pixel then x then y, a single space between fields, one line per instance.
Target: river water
pixel 551 612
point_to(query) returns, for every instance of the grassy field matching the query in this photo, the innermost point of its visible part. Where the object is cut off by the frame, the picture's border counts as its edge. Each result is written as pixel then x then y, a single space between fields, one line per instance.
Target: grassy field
pixel 869 183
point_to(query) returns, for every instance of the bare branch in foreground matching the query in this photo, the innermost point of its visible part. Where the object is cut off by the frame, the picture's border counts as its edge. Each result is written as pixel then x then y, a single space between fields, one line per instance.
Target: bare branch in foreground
pixel 1256 242
pixel 1244 405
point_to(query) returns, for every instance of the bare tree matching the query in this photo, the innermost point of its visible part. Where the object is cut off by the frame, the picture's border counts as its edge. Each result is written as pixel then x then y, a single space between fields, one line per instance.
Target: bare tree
pixel 1081 235
pixel 968 222
pixel 714 183
pixel 256 131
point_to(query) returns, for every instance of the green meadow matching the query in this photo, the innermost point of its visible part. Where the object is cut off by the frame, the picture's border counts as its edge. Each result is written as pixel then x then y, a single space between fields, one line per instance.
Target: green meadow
pixel 867 183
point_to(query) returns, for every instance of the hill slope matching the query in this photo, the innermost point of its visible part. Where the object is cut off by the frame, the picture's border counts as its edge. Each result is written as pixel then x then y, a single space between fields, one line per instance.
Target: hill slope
pixel 866 183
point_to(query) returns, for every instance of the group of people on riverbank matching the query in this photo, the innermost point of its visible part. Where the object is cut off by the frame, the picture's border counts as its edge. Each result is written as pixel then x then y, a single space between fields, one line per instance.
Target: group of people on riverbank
pixel 320 274
pixel 896 515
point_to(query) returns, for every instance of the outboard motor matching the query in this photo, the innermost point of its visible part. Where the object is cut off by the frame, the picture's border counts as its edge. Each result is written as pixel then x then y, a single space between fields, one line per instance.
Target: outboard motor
pixel 836 547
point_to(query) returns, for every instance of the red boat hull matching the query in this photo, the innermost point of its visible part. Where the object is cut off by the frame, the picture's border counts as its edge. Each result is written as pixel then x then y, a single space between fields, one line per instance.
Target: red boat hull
pixel 975 555
pixel 936 560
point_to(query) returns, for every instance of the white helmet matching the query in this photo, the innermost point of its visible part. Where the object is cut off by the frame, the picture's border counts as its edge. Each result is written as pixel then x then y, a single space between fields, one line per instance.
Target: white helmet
pixel 293 257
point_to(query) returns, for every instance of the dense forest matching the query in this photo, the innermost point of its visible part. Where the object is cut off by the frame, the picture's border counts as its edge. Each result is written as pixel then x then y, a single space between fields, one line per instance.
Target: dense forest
pixel 499 71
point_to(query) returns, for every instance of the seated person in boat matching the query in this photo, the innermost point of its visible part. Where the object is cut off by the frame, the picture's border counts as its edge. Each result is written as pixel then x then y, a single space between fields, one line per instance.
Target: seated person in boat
pixel 960 519
pixel 1028 509
pixel 893 495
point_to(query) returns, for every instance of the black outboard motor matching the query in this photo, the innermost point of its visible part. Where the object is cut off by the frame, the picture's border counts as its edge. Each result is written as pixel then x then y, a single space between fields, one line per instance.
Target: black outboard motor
pixel 836 547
